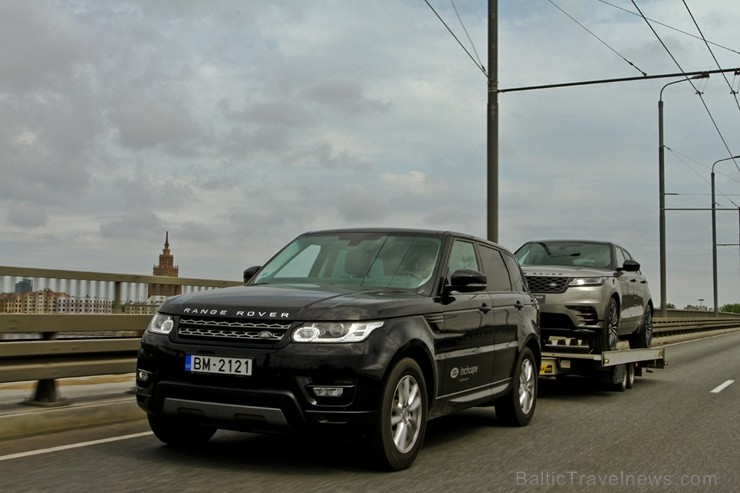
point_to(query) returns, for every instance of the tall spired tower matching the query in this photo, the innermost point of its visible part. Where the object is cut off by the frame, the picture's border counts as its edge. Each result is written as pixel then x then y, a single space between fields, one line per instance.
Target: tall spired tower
pixel 167 268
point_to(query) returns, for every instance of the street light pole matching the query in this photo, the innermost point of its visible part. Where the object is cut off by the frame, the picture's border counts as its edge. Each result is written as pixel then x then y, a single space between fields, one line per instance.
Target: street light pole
pixel 661 192
pixel 714 237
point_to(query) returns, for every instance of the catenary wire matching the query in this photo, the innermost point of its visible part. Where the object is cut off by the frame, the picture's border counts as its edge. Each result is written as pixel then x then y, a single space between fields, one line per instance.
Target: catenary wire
pixel 682 158
pixel 667 26
pixel 732 91
pixel 698 93
pixel 598 38
pixel 480 67
pixel 472 45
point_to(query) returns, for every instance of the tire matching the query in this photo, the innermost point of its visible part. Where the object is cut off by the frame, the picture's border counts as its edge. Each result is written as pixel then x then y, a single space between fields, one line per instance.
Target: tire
pixel 621 385
pixel 401 423
pixel 517 408
pixel 179 434
pixel 644 336
pixel 630 370
pixel 607 339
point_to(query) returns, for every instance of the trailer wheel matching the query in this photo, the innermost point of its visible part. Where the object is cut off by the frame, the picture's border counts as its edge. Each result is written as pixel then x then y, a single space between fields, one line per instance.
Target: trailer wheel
pixel 517 408
pixel 621 373
pixel 630 371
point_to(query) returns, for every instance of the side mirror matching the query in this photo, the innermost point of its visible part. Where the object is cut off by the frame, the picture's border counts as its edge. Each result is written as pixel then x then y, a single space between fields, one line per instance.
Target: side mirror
pixel 630 266
pixel 250 272
pixel 467 281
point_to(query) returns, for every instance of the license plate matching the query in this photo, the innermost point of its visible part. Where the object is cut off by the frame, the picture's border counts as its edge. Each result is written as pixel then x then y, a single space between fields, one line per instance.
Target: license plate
pixel 218 365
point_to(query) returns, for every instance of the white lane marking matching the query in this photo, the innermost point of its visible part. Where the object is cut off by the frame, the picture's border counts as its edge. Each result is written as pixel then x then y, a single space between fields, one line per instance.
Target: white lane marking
pixel 722 387
pixel 72 446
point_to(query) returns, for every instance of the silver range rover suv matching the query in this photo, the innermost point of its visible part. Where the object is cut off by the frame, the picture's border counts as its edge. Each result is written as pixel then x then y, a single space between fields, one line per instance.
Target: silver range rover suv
pixel 588 290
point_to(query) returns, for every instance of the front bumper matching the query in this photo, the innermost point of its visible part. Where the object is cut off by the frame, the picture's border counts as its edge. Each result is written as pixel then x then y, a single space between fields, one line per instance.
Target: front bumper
pixel 577 312
pixel 281 395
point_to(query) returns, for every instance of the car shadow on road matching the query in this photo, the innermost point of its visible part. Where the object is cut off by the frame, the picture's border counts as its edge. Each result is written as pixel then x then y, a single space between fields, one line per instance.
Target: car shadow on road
pixel 290 454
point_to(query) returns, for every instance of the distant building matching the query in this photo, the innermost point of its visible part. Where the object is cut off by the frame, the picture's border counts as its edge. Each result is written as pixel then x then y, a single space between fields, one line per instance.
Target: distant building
pixel 84 305
pixel 148 307
pixel 24 286
pixel 44 301
pixel 166 268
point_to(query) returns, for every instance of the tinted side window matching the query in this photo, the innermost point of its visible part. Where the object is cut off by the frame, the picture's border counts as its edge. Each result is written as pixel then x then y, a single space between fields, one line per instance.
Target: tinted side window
pixel 515 274
pixel 494 269
pixel 462 256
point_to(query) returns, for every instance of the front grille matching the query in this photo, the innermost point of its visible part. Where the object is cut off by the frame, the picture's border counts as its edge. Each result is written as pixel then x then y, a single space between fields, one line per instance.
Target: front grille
pixel 245 331
pixel 547 284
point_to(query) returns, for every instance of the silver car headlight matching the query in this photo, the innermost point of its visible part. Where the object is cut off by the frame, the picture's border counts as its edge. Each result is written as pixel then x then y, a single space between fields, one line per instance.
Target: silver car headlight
pixel 587 281
pixel 161 324
pixel 335 331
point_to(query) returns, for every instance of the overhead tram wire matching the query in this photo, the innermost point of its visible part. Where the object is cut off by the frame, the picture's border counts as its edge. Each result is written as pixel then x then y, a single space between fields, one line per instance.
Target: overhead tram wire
pixel 698 93
pixel 682 158
pixel 732 90
pixel 477 64
pixel 472 45
pixel 598 38
pixel 667 26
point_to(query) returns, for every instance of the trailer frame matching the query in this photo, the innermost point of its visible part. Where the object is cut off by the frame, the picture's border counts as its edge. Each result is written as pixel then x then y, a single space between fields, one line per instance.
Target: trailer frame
pixel 618 367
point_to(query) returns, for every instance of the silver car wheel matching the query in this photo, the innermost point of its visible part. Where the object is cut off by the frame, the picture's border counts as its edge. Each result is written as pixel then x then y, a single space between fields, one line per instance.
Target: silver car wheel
pixel 647 327
pixel 527 388
pixel 613 326
pixel 406 414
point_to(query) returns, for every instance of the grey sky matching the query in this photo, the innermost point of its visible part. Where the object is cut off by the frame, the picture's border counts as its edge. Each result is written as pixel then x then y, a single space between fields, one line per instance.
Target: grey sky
pixel 237 125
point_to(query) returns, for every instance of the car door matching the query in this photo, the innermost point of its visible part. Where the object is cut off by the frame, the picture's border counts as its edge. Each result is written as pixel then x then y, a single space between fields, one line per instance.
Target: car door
pixel 640 294
pixel 507 306
pixel 629 285
pixel 468 328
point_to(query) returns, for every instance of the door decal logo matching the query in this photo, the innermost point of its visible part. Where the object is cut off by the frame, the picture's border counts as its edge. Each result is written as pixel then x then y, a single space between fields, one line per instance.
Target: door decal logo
pixel 465 370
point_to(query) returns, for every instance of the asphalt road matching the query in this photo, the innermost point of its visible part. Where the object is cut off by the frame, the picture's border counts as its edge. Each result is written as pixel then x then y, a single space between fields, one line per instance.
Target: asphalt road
pixel 676 430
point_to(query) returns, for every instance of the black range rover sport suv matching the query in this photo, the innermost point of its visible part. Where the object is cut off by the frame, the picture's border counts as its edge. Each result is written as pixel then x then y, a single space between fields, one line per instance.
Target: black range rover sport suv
pixel 362 334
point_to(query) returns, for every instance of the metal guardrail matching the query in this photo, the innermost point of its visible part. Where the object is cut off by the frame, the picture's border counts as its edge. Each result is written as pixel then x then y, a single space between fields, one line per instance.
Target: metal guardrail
pixel 78 345
pixel 674 326
pixel 44 361
pixel 68 345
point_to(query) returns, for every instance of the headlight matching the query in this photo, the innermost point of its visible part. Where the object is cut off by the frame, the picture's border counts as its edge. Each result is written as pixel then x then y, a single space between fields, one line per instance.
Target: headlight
pixel 161 324
pixel 587 281
pixel 335 331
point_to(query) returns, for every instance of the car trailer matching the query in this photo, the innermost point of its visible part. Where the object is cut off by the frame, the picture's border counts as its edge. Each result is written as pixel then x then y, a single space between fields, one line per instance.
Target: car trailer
pixel 618 367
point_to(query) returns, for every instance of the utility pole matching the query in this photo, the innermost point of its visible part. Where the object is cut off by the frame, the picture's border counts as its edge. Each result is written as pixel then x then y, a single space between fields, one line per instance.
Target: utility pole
pixel 492 127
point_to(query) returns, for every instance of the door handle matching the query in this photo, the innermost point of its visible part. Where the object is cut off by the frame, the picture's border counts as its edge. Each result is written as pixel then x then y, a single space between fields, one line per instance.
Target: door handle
pixel 485 308
pixel 518 305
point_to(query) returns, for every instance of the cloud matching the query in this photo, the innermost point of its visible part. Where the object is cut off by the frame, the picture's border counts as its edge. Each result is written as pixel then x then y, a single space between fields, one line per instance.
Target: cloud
pixel 238 125
pixel 144 122
pixel 131 225
pixel 27 216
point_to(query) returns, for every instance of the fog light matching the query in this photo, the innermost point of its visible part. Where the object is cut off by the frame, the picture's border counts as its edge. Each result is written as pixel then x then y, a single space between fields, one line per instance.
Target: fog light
pixel 328 391
pixel 143 376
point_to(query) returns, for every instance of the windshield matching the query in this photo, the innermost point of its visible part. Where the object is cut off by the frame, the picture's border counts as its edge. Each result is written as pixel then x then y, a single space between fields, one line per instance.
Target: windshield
pixel 567 253
pixel 355 259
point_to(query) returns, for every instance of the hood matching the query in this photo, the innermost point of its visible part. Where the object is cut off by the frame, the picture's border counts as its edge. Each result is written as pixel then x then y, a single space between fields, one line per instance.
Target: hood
pixel 290 303
pixel 564 271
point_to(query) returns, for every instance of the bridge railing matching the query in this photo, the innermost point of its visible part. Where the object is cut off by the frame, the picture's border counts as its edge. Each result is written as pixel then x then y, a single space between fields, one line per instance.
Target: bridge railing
pixel 43 347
